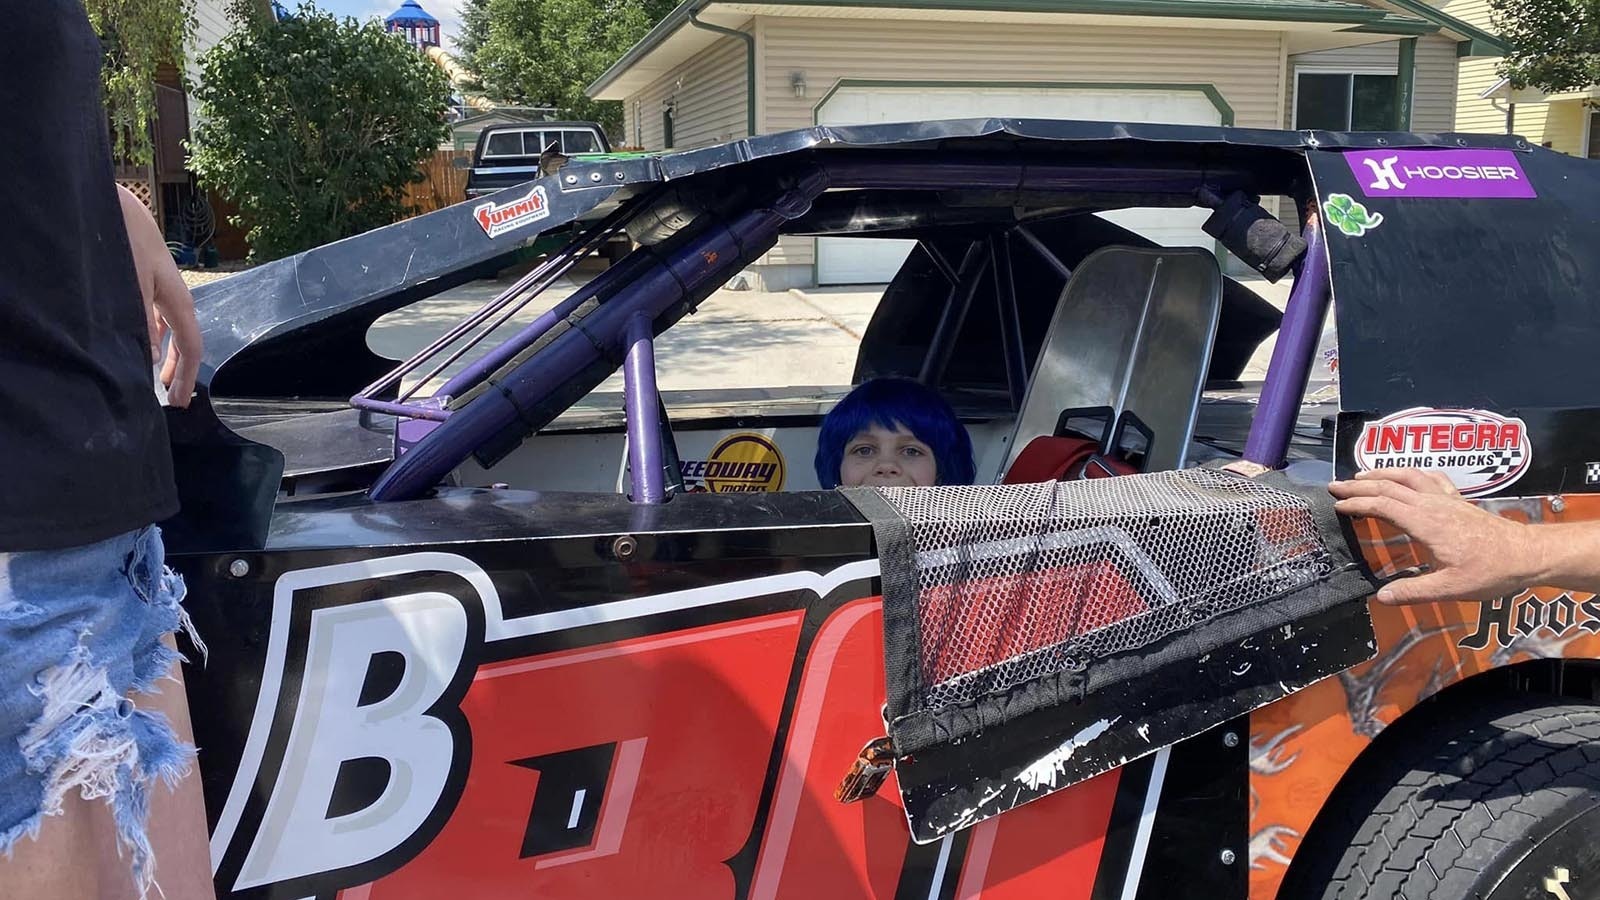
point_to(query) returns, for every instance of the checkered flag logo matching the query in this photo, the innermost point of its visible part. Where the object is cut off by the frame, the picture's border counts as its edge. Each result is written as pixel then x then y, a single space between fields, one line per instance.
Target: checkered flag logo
pixel 1591 473
pixel 1504 462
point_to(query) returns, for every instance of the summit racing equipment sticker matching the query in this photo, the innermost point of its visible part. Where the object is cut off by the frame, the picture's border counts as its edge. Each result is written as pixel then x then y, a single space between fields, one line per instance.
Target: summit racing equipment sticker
pixel 498 218
pixel 1440 173
pixel 1480 452
pixel 745 463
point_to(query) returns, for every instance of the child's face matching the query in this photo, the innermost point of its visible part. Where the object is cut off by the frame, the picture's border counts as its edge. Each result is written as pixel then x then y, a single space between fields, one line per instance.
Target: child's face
pixel 879 457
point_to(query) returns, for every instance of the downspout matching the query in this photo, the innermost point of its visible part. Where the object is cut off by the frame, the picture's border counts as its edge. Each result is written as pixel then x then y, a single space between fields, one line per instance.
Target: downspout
pixel 749 67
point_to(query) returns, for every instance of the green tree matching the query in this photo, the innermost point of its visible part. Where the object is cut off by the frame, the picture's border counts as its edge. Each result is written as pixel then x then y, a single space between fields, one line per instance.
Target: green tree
pixel 545 52
pixel 139 36
pixel 1555 44
pixel 314 126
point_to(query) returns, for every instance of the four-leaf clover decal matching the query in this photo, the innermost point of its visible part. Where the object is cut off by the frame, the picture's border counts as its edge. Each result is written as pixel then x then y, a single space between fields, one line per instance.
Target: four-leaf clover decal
pixel 1350 216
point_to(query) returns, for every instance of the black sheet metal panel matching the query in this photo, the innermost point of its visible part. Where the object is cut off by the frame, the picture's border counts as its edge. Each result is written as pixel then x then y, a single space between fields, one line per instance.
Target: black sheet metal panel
pixel 364 276
pixel 328 296
pixel 954 786
pixel 965 760
pixel 546 555
pixel 1469 280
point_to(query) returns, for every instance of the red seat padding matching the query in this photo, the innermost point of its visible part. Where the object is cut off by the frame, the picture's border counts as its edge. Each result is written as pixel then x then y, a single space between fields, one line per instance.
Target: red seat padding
pixel 1049 458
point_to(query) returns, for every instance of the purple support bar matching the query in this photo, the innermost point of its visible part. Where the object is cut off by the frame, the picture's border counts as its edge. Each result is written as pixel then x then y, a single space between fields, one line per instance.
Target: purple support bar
pixel 695 268
pixel 643 406
pixel 508 349
pixel 1285 384
pixel 411 411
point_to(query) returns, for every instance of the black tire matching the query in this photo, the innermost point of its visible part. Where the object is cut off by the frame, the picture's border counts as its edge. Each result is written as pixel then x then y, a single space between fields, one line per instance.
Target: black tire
pixel 1485 800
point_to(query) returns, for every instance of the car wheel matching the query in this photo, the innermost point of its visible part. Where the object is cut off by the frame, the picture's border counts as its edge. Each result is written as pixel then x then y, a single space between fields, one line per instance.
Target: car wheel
pixel 1492 801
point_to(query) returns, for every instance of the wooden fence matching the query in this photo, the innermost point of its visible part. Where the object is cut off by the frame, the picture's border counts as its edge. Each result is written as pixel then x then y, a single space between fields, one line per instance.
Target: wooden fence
pixel 442 183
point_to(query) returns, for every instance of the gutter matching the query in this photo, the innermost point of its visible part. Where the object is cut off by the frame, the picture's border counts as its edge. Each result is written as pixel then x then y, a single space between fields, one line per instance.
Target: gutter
pixel 749 66
pixel 1356 18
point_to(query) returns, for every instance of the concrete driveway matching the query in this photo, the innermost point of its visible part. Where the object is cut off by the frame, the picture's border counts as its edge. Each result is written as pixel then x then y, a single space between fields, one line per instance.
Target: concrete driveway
pixel 737 339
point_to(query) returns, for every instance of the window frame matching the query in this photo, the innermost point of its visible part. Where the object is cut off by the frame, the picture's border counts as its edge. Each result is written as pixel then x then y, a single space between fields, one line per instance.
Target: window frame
pixel 522 135
pixel 1351 71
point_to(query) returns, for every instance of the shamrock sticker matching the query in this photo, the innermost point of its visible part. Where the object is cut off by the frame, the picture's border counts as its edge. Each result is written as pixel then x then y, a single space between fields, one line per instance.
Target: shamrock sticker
pixel 1351 217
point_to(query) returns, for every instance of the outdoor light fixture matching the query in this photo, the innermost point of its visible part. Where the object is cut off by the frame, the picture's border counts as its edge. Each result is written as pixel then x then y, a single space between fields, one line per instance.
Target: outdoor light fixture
pixel 797 81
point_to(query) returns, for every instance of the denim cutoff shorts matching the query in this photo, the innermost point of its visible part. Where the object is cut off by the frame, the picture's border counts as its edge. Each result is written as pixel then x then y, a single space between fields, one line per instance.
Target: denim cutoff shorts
pixel 80 631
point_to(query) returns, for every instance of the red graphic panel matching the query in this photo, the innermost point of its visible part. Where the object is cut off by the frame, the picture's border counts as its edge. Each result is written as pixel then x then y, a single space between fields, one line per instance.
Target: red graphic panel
pixel 815 846
pixel 687 720
pixel 1048 848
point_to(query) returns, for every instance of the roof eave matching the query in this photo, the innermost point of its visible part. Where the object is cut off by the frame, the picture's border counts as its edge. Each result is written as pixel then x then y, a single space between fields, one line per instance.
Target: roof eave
pixel 1360 19
pixel 1475 41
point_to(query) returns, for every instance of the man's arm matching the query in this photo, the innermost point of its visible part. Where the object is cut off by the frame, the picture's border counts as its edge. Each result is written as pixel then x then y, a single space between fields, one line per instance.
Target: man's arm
pixel 167 301
pixel 1478 554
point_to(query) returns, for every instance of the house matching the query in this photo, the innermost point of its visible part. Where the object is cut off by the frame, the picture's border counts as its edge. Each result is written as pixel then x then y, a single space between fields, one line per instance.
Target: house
pixel 1569 122
pixel 714 70
pixel 166 185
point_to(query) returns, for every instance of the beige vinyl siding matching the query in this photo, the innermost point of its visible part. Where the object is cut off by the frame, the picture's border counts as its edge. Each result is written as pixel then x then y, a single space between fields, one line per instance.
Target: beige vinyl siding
pixel 1489 116
pixel 710 103
pixel 1563 128
pixel 1433 96
pixel 1476 13
pixel 1384 56
pixel 1246 67
pixel 1433 100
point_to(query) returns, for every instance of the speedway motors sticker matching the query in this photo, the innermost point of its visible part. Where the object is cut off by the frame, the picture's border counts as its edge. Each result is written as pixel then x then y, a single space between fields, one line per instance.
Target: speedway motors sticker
pixel 498 218
pixel 745 463
pixel 1480 452
pixel 1440 173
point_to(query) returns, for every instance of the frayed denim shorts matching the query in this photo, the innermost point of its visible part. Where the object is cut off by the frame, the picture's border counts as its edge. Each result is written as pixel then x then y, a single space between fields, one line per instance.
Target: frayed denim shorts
pixel 80 631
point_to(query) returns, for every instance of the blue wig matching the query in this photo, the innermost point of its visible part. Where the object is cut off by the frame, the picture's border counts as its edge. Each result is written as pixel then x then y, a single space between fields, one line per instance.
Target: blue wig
pixel 896 403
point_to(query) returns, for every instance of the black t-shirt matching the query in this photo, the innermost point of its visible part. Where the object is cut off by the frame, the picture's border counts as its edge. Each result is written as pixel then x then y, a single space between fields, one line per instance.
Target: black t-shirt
pixel 83 445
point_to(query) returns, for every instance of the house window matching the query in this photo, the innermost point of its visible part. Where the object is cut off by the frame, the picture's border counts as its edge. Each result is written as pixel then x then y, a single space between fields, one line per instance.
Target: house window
pixel 1593 150
pixel 1345 101
pixel 666 128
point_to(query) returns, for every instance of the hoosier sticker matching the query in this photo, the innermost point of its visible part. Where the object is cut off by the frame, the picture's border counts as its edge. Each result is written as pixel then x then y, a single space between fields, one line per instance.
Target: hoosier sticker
pixel 498 218
pixel 1481 452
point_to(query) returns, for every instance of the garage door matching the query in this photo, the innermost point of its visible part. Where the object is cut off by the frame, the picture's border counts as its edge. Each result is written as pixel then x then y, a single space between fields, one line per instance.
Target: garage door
pixel 865 261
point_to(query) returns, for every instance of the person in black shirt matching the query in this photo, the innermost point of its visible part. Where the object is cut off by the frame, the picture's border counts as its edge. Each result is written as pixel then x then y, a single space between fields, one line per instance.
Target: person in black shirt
pixel 87 607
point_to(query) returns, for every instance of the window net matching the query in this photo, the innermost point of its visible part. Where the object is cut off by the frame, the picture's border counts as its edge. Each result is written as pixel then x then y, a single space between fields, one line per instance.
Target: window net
pixel 1004 599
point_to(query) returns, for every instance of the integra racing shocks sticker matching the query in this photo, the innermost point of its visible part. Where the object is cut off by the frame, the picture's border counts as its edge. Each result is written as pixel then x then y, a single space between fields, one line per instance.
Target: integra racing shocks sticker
pixel 1480 452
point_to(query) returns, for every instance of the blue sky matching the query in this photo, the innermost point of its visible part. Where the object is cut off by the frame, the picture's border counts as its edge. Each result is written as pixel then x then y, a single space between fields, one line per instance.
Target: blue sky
pixel 448 12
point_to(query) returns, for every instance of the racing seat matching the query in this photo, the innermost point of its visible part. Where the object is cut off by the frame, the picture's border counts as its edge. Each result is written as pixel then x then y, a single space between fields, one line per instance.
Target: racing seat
pixel 1127 353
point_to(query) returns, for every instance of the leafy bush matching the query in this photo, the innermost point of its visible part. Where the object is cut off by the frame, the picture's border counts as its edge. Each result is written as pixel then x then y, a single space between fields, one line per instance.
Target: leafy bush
pixel 314 126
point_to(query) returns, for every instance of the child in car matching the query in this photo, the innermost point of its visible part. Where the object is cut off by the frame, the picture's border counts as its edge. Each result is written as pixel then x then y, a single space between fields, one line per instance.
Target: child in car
pixel 893 432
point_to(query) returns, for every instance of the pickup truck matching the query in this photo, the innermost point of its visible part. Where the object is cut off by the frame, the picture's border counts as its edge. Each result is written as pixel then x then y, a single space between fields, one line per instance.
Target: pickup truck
pixel 508 155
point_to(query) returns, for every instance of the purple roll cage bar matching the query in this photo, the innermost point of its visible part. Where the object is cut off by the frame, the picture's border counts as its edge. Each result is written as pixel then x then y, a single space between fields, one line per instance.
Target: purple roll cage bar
pixel 652 279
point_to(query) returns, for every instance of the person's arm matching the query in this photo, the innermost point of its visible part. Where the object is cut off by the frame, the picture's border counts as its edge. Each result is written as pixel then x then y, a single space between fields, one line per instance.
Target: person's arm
pixel 1477 554
pixel 167 301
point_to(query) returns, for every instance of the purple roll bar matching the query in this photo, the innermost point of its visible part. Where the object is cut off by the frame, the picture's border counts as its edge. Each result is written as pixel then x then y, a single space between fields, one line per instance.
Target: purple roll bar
pixel 643 405
pixel 1285 384
pixel 531 284
pixel 476 372
pixel 688 273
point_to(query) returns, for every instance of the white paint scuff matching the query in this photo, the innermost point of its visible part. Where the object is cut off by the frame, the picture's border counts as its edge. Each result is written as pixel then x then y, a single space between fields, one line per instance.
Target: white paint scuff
pixel 1050 767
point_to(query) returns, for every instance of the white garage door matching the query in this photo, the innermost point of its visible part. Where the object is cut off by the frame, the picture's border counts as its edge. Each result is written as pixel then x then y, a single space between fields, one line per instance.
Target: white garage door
pixel 859 261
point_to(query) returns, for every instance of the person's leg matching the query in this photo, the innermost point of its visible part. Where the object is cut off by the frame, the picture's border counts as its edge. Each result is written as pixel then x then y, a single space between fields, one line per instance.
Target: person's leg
pixel 178 837
pixel 60 863
pixel 86 747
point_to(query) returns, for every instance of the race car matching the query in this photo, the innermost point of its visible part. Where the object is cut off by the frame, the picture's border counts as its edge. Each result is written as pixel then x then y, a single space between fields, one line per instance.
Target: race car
pixel 481 630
